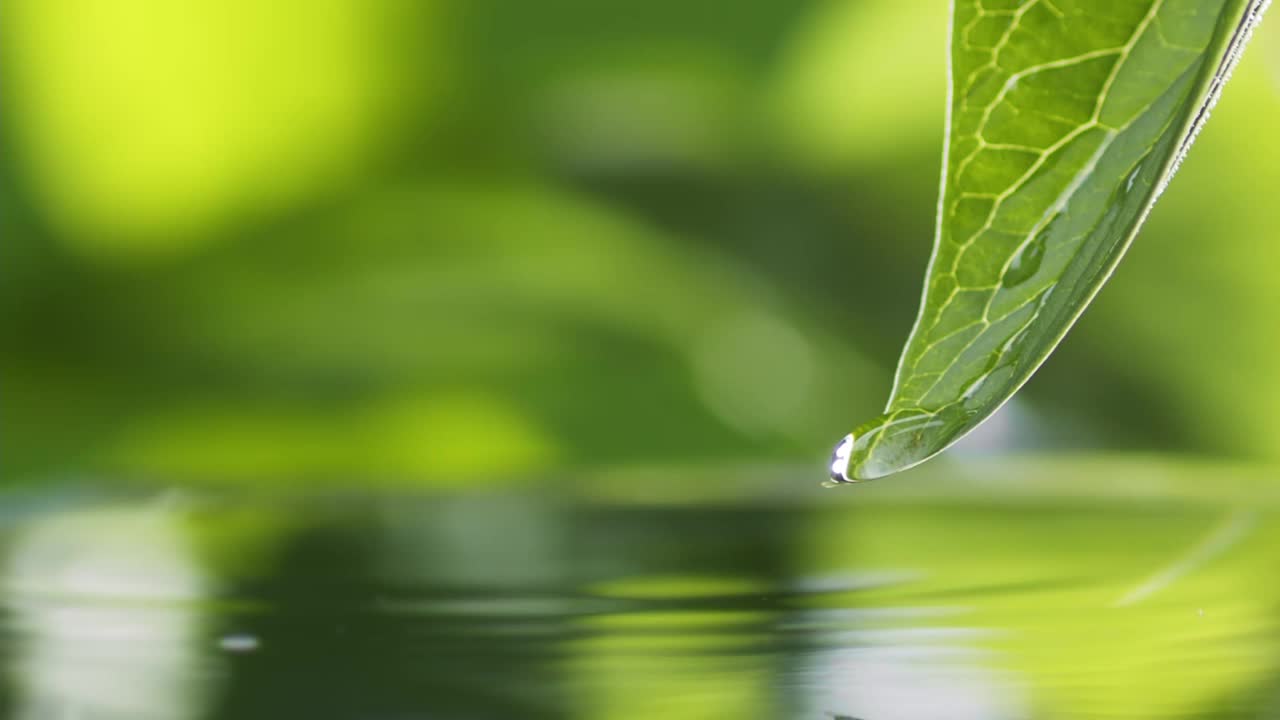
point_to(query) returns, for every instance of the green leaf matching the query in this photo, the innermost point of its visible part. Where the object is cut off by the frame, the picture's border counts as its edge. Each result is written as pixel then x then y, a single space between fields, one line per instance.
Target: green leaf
pixel 1066 120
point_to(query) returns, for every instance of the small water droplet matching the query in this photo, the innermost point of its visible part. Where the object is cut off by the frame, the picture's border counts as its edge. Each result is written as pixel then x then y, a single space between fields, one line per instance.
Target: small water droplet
pixel 239 643
pixel 1133 178
pixel 986 387
pixel 974 387
pixel 1025 263
pixel 840 461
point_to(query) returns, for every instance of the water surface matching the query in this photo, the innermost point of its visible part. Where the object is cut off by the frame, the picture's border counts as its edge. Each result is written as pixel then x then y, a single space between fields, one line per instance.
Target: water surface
pixel 1105 589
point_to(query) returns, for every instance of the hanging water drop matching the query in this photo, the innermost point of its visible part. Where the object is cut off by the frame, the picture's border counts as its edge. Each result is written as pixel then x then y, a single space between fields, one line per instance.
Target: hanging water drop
pixel 840 460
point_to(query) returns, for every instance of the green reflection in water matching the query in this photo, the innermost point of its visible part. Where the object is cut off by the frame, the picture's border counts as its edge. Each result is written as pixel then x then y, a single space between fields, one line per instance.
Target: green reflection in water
pixel 1094 589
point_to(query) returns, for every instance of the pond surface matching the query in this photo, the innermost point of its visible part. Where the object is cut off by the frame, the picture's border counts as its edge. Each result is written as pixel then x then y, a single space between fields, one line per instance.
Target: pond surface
pixel 1095 589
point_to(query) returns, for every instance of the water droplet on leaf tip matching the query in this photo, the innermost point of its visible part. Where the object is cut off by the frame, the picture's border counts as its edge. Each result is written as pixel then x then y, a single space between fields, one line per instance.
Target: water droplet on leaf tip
pixel 839 468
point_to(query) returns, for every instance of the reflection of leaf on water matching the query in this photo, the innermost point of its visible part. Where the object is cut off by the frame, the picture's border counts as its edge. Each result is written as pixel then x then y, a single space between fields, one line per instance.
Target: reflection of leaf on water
pixel 1234 529
pixel 1037 568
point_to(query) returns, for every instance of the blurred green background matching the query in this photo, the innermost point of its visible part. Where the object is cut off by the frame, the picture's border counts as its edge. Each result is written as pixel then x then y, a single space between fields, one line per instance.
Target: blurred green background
pixel 463 242
pixel 466 243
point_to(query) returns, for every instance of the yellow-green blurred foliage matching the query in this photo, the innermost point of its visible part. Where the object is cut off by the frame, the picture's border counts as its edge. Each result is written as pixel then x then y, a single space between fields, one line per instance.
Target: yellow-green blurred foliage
pixel 145 125
pixel 464 241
